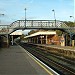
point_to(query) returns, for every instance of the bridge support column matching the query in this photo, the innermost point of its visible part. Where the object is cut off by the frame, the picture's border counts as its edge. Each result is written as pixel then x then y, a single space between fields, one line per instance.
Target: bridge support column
pixel 66 39
pixel 70 40
pixel 12 40
pixel 7 40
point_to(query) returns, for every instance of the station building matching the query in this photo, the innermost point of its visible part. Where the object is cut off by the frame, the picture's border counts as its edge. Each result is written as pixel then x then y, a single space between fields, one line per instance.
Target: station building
pixel 43 37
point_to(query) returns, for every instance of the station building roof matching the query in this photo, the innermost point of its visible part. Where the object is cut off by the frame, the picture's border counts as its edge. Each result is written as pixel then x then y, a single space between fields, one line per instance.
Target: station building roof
pixel 41 33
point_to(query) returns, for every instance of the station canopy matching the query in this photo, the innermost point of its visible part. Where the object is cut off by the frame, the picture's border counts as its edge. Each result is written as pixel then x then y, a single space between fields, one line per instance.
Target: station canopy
pixel 16 33
pixel 41 33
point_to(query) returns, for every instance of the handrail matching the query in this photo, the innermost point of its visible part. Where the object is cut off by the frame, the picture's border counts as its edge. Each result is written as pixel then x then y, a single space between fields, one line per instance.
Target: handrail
pixel 35 24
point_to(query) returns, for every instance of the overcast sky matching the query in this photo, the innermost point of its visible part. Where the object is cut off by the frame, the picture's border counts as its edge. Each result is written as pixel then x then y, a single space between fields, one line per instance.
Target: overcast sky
pixel 36 9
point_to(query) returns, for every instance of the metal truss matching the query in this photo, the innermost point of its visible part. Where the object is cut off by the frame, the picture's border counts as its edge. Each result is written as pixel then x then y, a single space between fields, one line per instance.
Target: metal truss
pixel 36 24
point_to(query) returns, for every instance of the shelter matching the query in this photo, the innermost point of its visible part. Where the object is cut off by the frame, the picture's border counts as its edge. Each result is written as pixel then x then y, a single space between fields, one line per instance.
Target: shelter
pixel 43 37
pixel 14 35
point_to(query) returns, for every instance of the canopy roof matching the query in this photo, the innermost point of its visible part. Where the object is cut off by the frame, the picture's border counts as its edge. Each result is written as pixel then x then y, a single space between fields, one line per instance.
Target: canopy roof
pixel 41 33
pixel 16 33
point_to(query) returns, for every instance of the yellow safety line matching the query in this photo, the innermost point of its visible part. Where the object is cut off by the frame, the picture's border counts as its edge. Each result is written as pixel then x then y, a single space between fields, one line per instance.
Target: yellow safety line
pixel 39 63
pixel 42 66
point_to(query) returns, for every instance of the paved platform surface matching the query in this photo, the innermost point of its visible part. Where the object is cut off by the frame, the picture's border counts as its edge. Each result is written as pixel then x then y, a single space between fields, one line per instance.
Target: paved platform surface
pixel 14 61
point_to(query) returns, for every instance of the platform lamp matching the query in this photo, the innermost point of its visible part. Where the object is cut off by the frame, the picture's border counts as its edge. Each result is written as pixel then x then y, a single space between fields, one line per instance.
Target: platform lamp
pixel 54 16
pixel 1 15
pixel 25 17
pixel 73 19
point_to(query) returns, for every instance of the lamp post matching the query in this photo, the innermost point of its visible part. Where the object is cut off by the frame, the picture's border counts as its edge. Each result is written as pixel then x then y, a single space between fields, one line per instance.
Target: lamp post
pixel 72 40
pixel 1 15
pixel 54 16
pixel 25 17
pixel 73 18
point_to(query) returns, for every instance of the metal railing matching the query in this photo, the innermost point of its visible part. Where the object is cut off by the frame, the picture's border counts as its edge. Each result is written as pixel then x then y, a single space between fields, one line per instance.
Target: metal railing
pixel 35 24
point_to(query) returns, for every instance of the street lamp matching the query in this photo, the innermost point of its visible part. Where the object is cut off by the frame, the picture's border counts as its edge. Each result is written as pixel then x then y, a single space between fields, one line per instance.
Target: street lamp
pixel 54 16
pixel 25 17
pixel 73 18
pixel 71 33
pixel 1 15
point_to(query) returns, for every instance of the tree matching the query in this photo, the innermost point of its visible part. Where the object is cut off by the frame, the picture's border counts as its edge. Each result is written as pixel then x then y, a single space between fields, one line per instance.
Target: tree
pixel 22 37
pixel 32 31
pixel 59 32
pixel 69 23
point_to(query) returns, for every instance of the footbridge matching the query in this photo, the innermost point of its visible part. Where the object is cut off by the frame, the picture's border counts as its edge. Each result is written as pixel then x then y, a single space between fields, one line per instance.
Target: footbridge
pixel 36 24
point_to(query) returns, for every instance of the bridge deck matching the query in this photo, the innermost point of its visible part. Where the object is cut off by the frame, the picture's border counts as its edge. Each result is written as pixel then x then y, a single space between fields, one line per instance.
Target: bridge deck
pixel 15 61
pixel 36 24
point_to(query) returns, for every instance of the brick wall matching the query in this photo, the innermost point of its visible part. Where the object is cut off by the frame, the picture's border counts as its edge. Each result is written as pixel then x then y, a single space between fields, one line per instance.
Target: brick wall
pixel 54 39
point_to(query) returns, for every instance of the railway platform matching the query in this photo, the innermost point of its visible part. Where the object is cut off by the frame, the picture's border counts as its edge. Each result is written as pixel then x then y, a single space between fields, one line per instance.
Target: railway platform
pixel 59 47
pixel 17 61
pixel 62 50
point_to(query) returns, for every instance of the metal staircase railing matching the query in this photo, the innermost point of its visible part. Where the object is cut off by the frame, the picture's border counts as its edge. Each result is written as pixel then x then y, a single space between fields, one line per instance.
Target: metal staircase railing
pixel 70 29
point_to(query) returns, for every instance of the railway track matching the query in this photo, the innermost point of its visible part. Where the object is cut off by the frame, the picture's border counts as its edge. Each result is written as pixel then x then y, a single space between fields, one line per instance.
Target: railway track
pixel 60 65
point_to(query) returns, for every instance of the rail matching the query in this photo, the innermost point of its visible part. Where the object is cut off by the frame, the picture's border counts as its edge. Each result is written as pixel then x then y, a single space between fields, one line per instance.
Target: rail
pixel 60 65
